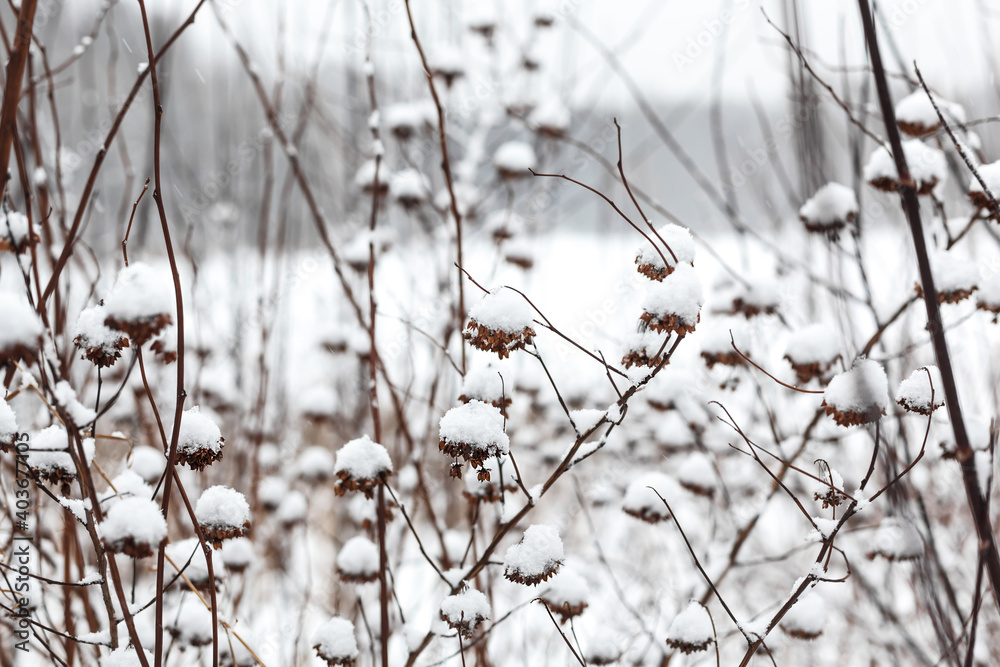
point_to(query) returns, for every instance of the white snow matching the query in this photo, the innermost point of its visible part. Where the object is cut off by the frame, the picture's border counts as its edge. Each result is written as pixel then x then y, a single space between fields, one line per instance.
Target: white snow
pixel 14 225
pixel 833 203
pixel 551 117
pixel 409 116
pixel 409 185
pixel 898 539
pixel 148 463
pixel 860 389
pixel 125 656
pixel 48 451
pixel 514 157
pixel 678 241
pixel 126 484
pixel 990 173
pixel 335 640
pixel 489 383
pixel 197 570
pixel 363 459
pixel 237 553
pixel 65 396
pixel 358 557
pixel 693 626
pixel 447 60
pixel 953 274
pixel 988 294
pixel 926 164
pixel 539 553
pixel 222 507
pixel 315 463
pixel 140 293
pixel 915 391
pixel 469 607
pixel 585 420
pixel 91 332
pixel 503 309
pixel 293 508
pixel 813 344
pixel 20 324
pixel 641 500
pixel 504 223
pixel 807 616
pixel 271 492
pixel 568 587
pixel 198 432
pixel 679 294
pixel 8 422
pixel 696 471
pixel 916 109
pixel 136 518
pixel 477 424
pixel 365 178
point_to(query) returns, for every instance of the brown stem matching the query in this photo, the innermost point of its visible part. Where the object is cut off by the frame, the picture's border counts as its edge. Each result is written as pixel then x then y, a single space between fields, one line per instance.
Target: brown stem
pixel 908 196
pixel 12 88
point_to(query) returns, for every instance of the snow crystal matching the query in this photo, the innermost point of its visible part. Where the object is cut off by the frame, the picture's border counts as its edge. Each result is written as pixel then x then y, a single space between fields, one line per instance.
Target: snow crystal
pixel 914 392
pixel 917 110
pixel 536 556
pixel 137 518
pixel 678 240
pixel 359 557
pixel 335 640
pixel 861 389
pixel 585 420
pixel 503 309
pixel 833 203
pixel 679 295
pixel 39 177
pixel 66 398
pixel 140 293
pixel 21 325
pixel 813 344
pixel 363 459
pixel 691 628
pixel 468 607
pixel 514 158
pixel 198 432
pixel 927 165
pixel 477 424
pixel 220 506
